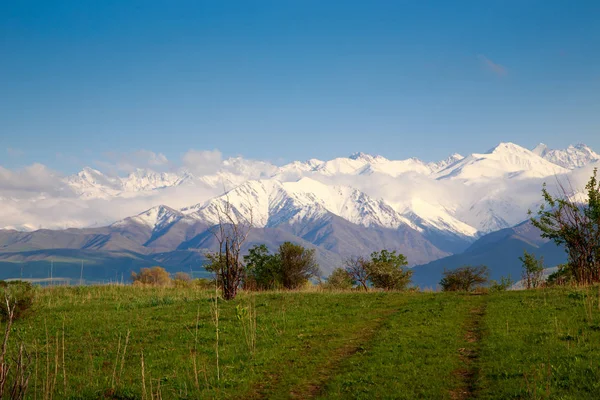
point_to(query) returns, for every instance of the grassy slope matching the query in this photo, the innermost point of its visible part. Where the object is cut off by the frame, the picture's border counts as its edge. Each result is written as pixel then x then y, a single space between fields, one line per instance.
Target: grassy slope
pixel 541 344
pixel 295 334
pixel 320 345
pixel 414 355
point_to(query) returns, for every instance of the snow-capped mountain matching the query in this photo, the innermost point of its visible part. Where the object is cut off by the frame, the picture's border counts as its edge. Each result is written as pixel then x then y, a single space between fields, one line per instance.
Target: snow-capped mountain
pixel 345 206
pixel 505 161
pixel 93 183
pixel 141 180
pixel 574 156
pixel 155 218
pixel 269 203
pixel 459 197
pixel 440 165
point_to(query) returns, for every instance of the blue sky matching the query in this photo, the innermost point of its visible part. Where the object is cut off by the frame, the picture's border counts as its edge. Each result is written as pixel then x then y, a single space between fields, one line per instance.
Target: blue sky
pixel 86 82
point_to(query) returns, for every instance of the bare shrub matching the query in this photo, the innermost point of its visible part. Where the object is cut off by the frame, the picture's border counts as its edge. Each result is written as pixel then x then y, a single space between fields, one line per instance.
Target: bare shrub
pixel 155 276
pixel 182 280
pixel 231 232
pixel 359 270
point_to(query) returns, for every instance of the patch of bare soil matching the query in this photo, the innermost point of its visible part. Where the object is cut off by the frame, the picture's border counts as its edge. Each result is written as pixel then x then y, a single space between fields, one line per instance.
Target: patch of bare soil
pixel 469 354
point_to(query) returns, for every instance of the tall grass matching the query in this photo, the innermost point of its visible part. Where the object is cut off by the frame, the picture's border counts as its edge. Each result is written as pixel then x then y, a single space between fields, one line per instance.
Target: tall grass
pixel 152 343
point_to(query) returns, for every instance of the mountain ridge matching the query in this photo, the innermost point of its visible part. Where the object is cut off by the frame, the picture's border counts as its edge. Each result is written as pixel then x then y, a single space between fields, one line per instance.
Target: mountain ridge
pixel 429 210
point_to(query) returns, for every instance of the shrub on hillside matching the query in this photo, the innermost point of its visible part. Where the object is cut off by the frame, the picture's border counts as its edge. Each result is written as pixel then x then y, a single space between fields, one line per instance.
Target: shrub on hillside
pixel 387 270
pixel 155 276
pixel 263 269
pixel 574 224
pixel 298 265
pixel 562 276
pixel 16 295
pixel 533 270
pixel 504 284
pixel 359 269
pixel 182 280
pixel 464 278
pixel 384 270
pixel 339 279
pixel 291 267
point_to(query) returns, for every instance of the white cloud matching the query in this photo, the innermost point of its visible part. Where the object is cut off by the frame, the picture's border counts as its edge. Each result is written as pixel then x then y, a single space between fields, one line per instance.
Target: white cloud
pixel 203 162
pixel 129 162
pixel 33 180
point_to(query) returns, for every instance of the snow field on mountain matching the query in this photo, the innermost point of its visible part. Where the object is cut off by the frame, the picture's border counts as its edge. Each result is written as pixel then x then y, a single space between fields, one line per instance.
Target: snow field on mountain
pixel 463 196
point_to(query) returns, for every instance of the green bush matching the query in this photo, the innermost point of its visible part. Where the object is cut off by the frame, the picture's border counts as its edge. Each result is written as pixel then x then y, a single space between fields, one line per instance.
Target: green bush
pixel 563 276
pixel 464 278
pixel 264 269
pixel 17 294
pixel 298 265
pixel 339 279
pixel 504 284
pixel 387 270
pixel 533 270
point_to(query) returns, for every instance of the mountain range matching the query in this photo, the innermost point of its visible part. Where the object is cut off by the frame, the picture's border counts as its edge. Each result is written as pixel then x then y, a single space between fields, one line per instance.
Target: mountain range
pixel 439 214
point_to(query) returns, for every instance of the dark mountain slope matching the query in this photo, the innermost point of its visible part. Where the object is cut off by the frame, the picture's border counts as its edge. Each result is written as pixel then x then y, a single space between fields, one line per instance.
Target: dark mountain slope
pixel 500 251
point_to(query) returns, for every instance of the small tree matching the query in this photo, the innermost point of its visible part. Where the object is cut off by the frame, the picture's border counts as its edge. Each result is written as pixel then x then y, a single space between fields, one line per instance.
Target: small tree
pixel 298 265
pixel 263 268
pixel 359 270
pixel 387 272
pixel 339 279
pixel 505 283
pixel 16 298
pixel 231 232
pixel 575 225
pixel 20 296
pixel 562 276
pixel 155 276
pixel 533 270
pixel 464 278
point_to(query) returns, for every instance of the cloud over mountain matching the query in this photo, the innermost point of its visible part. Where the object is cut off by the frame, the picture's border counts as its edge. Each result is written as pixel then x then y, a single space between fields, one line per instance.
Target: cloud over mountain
pixel 462 196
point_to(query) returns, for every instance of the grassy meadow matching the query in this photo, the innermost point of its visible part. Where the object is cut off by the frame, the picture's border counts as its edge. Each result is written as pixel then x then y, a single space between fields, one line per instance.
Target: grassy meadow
pixel 126 342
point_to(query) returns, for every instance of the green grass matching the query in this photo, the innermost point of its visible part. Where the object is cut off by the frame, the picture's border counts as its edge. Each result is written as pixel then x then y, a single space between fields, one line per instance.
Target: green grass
pixel 541 344
pixel 413 355
pixel 535 344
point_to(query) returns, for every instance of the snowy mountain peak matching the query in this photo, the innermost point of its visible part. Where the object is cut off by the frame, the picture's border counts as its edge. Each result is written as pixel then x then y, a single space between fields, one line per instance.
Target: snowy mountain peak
pixel 155 218
pixel 313 162
pixel 458 195
pixel 144 179
pixel 582 147
pixel 574 156
pixel 506 160
pixel 271 203
pixel 508 147
pixel 541 150
pixel 440 165
pixel 89 171
pixel 90 176
pixel 367 158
